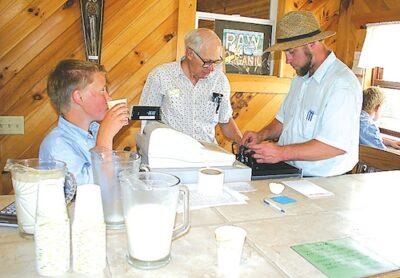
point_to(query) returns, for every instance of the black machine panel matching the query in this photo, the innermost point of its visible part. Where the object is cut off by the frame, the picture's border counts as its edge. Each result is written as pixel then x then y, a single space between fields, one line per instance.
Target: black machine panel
pixel 266 170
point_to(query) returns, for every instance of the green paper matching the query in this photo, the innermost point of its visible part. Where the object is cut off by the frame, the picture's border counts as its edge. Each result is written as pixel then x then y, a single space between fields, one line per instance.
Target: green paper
pixel 343 258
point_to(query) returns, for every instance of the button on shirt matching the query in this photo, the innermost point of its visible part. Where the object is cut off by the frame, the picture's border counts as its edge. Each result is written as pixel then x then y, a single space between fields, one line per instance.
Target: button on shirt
pixel 188 108
pixel 325 107
pixel 71 144
pixel 369 132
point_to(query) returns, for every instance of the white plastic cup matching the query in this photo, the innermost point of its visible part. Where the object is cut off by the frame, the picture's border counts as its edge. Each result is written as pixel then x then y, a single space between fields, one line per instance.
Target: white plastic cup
pixel 88 231
pixel 112 103
pixel 230 240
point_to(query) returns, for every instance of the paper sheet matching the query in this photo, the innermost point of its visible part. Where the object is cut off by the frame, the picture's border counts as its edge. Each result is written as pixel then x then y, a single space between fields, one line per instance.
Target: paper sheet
pixel 240 186
pixel 309 189
pixel 343 258
pixel 228 197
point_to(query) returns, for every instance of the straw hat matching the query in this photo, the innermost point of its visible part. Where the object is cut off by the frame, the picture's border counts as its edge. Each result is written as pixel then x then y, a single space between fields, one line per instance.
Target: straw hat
pixel 297 28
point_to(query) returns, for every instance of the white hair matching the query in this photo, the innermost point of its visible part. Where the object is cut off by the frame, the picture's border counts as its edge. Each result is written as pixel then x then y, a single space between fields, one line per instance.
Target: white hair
pixel 194 40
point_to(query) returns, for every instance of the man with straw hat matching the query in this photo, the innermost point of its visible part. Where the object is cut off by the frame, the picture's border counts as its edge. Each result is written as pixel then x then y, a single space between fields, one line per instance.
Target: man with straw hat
pixel 318 123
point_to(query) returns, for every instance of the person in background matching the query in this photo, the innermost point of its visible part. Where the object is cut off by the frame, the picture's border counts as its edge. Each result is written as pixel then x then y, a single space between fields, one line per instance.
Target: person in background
pixel 318 123
pixel 77 89
pixel 194 93
pixel 370 135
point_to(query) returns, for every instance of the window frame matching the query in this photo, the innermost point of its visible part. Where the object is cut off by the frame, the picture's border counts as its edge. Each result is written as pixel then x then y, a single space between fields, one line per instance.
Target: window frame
pixel 377 80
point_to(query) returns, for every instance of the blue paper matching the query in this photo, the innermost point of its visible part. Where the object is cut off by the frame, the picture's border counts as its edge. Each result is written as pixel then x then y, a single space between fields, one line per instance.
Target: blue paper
pixel 283 199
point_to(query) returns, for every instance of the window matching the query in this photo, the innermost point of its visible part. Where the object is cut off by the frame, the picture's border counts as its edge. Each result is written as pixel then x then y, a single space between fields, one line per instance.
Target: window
pixel 388 79
pixel 380 52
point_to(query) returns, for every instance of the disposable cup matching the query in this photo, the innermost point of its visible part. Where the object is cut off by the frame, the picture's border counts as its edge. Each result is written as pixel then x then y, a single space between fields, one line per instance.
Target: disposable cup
pixel 114 102
pixel 230 240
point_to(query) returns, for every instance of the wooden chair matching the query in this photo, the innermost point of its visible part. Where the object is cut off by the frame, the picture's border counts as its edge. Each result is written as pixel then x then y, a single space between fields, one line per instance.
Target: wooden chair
pixel 374 160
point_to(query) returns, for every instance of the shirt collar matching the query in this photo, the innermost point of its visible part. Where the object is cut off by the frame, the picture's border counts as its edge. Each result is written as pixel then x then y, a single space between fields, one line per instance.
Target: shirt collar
pixel 364 115
pixel 179 67
pixel 323 68
pixel 68 127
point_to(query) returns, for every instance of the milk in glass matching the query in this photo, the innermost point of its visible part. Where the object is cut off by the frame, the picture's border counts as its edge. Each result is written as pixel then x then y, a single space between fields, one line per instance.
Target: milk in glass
pixel 25 203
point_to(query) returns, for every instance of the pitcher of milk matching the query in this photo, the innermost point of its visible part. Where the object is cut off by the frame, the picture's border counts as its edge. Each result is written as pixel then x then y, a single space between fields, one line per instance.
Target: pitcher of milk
pixel 27 175
pixel 107 164
pixel 150 201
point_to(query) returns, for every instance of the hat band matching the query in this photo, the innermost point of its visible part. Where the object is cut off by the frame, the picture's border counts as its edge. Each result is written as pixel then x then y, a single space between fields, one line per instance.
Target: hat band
pixel 302 36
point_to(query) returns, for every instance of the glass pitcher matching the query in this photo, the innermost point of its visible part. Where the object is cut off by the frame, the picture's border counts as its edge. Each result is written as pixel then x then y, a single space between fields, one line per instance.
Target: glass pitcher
pixel 150 202
pixel 106 166
pixel 27 175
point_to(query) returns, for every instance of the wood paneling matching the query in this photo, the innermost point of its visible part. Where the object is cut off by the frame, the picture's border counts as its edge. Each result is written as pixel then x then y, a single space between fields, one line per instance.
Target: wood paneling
pixel 254 8
pixel 35 35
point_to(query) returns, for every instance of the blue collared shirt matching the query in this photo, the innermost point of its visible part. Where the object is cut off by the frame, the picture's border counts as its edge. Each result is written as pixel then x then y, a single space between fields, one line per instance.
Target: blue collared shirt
pixel 71 144
pixel 326 107
pixel 369 132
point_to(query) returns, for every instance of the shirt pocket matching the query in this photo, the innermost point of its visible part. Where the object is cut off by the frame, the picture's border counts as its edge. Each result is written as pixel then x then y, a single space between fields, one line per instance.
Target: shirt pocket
pixel 309 123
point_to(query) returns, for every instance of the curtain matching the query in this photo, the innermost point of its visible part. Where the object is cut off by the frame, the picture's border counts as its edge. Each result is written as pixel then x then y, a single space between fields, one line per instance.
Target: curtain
pixel 381 46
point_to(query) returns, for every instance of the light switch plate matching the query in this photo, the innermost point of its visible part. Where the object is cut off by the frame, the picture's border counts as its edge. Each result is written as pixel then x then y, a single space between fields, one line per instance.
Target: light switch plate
pixel 11 125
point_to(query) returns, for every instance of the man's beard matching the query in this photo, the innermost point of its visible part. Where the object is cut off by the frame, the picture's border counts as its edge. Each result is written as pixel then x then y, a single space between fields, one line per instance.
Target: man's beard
pixel 306 68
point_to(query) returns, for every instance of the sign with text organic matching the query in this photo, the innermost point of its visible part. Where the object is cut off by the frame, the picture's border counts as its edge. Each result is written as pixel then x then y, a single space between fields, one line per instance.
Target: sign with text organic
pixel 245 45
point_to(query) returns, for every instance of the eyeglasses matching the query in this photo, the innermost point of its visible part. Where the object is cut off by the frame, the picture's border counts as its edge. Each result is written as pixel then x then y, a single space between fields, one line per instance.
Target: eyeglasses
pixel 207 64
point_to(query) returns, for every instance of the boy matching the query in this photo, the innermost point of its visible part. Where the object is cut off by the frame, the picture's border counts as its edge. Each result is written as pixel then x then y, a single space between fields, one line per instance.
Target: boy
pixel 371 111
pixel 77 89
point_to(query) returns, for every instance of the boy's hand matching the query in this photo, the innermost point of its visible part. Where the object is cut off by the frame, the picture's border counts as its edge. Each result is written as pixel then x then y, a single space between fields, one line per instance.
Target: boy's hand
pixel 113 121
pixel 395 145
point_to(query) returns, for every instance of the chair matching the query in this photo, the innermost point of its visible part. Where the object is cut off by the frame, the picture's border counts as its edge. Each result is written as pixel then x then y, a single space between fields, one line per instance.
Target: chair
pixel 375 160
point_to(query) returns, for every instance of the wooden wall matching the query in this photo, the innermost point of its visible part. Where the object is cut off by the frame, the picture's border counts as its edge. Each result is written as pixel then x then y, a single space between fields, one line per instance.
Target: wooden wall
pixel 36 34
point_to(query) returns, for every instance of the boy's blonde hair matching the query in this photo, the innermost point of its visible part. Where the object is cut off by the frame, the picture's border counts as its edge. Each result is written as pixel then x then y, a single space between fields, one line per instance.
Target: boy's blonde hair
pixel 68 76
pixel 372 97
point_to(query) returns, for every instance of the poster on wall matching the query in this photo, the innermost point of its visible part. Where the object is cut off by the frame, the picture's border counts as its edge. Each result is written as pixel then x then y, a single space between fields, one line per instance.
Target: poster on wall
pixel 244 45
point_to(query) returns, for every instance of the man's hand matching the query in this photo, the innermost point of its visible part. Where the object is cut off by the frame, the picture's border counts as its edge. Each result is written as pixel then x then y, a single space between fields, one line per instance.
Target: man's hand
pixel 267 152
pixel 249 138
pixel 113 121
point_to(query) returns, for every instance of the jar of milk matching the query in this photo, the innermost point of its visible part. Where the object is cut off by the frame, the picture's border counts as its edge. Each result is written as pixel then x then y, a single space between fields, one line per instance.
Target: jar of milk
pixel 150 201
pixel 27 175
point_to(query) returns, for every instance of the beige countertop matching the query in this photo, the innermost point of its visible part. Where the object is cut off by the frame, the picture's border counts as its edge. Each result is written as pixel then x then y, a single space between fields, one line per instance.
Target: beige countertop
pixel 365 207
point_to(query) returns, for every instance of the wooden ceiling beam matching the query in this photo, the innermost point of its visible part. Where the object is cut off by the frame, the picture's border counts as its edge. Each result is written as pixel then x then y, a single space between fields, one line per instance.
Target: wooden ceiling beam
pixel 360 20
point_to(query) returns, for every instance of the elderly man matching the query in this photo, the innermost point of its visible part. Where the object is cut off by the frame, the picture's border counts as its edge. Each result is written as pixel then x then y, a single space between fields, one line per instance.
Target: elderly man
pixel 318 123
pixel 194 93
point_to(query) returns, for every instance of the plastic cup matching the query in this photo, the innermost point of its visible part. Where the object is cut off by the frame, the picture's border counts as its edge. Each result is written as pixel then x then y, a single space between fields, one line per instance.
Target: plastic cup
pixel 112 103
pixel 230 240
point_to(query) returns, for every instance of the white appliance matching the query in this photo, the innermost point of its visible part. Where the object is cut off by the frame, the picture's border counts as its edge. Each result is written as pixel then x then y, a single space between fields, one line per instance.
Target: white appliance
pixel 167 150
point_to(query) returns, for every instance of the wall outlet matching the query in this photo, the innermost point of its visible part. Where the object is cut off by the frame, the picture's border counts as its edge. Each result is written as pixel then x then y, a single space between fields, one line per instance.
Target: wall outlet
pixel 11 125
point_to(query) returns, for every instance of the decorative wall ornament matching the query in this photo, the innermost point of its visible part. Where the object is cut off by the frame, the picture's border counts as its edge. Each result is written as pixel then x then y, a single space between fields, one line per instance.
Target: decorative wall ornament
pixel 92 24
